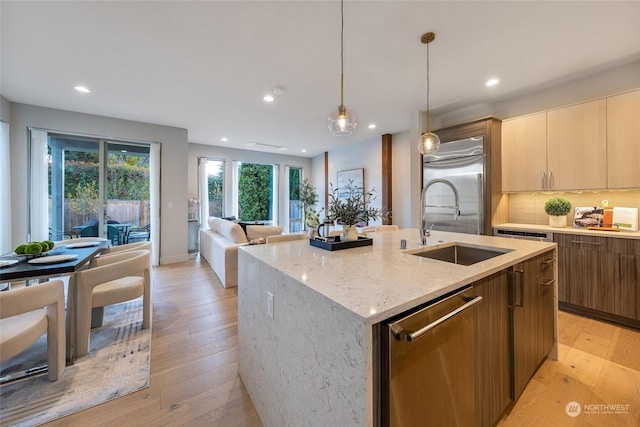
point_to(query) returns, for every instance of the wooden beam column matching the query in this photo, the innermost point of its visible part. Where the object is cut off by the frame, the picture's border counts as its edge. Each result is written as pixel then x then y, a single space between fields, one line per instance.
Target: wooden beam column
pixel 387 180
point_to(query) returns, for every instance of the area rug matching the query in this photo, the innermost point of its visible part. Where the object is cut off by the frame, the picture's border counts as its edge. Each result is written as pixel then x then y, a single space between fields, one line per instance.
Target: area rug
pixel 118 363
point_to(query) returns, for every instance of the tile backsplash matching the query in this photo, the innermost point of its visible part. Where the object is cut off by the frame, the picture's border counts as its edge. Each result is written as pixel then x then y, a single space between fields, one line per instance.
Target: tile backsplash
pixel 528 208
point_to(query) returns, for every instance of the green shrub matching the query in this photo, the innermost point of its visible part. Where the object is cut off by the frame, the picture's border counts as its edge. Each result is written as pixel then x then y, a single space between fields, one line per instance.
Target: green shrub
pixel 557 206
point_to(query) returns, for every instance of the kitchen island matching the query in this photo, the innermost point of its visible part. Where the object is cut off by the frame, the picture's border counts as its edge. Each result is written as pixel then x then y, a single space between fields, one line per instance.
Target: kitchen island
pixel 306 317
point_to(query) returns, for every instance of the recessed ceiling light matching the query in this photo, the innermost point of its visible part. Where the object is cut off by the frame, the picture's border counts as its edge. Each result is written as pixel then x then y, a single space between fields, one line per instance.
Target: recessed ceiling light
pixel 372 126
pixel 224 139
pixel 268 98
pixel 82 89
pixel 304 150
pixel 492 82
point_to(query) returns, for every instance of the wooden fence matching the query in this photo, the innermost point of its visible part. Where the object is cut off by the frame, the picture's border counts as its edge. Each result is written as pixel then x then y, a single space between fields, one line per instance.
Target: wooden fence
pixel 135 212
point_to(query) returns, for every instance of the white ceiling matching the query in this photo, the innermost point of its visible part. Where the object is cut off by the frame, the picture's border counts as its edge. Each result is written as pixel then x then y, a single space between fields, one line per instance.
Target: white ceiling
pixel 205 66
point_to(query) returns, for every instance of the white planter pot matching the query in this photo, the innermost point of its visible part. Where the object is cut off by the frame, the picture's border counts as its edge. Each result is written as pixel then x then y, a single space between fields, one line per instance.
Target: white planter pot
pixel 557 221
pixel 349 233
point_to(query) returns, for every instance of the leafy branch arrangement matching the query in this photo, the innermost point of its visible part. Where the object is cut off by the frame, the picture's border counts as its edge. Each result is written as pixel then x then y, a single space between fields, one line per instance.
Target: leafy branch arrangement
pixel 309 198
pixel 351 204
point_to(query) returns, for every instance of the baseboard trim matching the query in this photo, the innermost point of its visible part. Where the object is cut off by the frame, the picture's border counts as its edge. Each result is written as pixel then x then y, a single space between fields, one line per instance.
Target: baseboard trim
pixel 599 315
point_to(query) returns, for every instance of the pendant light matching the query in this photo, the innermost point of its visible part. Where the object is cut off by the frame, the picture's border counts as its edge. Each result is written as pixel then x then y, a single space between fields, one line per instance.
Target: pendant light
pixel 342 122
pixel 429 142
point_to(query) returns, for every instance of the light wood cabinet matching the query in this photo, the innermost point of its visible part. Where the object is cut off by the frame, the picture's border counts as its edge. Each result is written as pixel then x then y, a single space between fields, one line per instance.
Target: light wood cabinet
pixel 563 149
pixel 577 146
pixel 600 277
pixel 531 297
pixel 493 363
pixel 588 146
pixel 623 140
pixel 524 153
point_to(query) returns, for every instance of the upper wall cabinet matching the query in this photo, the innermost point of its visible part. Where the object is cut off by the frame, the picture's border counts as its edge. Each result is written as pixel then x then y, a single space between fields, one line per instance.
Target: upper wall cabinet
pixel 524 153
pixel 623 140
pixel 589 146
pixel 577 147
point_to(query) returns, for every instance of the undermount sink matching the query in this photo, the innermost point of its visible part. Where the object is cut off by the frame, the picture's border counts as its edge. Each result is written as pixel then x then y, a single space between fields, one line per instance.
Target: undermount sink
pixel 458 253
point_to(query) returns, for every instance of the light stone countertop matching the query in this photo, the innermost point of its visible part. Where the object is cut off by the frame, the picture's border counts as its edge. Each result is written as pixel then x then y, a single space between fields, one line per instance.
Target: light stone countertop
pixel 569 230
pixel 379 281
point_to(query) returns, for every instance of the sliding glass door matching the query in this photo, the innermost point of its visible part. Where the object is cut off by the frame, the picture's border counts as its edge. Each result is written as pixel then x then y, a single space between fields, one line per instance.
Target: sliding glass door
pixel 87 187
pixel 126 190
pixel 74 189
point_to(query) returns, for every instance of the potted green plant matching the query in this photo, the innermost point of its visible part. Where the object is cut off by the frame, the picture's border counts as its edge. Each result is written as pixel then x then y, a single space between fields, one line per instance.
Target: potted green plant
pixel 557 208
pixel 309 197
pixel 349 206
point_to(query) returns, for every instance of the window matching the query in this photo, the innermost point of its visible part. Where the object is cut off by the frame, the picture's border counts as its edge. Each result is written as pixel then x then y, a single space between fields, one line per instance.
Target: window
pixel 294 213
pixel 256 193
pixel 211 188
pixel 5 190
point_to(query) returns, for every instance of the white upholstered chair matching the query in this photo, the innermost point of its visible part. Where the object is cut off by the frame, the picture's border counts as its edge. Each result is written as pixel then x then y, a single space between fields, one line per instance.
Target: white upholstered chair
pixel 26 314
pixel 136 246
pixel 115 278
pixel 97 313
pixel 390 227
pixel 286 237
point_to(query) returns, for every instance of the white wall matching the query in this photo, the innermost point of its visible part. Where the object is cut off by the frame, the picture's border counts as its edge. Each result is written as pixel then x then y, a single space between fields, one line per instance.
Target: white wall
pixel 5 110
pixel 231 154
pixel 401 188
pixel 367 155
pixel 173 181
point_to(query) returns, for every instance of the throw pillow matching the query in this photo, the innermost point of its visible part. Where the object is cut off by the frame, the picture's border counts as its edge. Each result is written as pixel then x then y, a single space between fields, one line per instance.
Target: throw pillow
pixel 232 231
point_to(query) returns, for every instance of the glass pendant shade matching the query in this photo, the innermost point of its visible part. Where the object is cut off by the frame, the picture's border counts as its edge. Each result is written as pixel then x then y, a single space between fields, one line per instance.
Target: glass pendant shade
pixel 342 122
pixel 429 143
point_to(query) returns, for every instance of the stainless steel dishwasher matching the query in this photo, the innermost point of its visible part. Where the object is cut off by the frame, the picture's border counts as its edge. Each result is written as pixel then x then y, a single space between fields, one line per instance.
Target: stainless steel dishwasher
pixel 428 365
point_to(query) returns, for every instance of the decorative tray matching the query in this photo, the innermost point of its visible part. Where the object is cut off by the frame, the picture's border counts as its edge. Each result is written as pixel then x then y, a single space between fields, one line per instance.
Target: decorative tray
pixel 336 246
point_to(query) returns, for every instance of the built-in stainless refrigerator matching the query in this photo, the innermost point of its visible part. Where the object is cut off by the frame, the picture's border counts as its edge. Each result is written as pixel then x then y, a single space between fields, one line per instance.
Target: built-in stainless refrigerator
pixel 454 198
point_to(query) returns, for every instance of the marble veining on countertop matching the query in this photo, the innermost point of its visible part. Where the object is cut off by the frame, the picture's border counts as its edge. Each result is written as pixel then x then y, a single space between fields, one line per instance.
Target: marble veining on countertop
pixel 379 281
pixel 570 230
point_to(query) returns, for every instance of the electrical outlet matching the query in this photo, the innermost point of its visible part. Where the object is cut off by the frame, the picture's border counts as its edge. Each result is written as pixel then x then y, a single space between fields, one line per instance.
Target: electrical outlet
pixel 270 304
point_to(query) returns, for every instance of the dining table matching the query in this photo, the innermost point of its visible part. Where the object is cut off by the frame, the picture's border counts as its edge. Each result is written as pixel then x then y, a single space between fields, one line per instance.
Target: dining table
pixel 63 260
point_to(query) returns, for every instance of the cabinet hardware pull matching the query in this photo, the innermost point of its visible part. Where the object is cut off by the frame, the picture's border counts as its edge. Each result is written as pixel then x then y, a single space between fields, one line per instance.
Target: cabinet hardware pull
pixel 550 180
pixel 517 273
pixel 582 242
pixel 544 181
pixel 548 282
pixel 549 261
pixel 412 336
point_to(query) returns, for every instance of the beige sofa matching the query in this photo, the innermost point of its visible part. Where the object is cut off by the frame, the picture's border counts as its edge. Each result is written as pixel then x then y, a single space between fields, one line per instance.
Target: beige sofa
pixel 219 246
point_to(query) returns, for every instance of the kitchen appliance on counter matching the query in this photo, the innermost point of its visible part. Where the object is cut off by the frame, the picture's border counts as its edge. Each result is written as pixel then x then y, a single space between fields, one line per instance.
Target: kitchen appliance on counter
pixel 453 196
pixel 427 364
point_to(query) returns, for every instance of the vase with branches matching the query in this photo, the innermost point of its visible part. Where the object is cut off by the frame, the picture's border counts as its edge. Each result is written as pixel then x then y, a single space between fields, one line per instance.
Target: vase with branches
pixel 351 205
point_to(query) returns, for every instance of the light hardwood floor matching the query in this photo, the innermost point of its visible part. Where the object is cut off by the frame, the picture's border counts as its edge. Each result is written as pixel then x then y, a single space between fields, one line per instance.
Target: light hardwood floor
pixel 194 374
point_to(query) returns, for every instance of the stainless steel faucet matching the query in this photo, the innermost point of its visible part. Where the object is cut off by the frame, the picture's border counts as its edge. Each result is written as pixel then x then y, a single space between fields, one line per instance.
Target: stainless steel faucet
pixel 423 206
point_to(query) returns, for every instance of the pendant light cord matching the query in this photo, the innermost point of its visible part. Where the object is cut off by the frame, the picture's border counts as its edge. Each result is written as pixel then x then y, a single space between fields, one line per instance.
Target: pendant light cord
pixel 428 113
pixel 341 53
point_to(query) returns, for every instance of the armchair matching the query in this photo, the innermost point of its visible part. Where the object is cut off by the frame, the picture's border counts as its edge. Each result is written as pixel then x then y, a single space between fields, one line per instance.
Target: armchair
pixel 115 278
pixel 26 314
